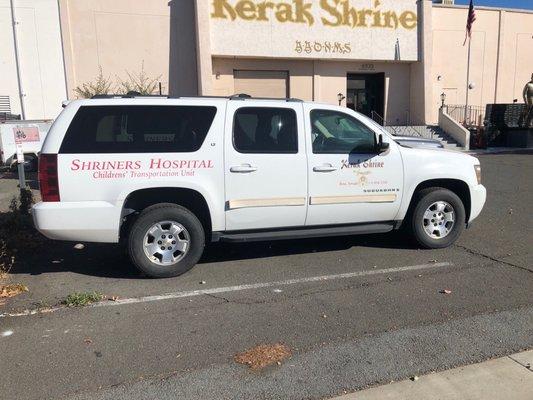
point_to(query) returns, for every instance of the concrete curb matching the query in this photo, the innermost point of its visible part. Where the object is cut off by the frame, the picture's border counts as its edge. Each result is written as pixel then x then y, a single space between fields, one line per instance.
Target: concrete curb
pixel 501 378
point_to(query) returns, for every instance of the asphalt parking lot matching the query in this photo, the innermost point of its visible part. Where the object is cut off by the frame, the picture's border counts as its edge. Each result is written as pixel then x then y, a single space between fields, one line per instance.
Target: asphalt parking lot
pixel 355 311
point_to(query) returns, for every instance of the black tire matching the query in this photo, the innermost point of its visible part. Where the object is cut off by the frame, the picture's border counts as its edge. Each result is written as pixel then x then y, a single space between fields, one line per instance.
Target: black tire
pixel 425 198
pixel 165 212
pixel 30 163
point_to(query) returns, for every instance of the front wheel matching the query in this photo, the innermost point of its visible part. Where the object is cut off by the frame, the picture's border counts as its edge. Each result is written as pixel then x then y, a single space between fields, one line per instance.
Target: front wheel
pixel 166 240
pixel 438 218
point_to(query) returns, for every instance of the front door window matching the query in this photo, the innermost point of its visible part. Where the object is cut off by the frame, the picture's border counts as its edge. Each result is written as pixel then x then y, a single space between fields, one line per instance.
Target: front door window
pixel 335 132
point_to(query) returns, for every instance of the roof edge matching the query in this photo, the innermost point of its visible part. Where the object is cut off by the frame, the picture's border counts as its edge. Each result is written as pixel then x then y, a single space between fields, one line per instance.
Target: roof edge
pixel 486 8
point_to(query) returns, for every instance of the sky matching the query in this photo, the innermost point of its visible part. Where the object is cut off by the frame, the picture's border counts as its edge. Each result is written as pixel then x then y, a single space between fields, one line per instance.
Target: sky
pixel 523 4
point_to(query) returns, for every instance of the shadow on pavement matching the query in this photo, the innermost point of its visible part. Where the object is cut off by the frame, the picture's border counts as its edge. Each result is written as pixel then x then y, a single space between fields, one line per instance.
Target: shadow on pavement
pixel 111 261
pixel 31 178
pixel 243 251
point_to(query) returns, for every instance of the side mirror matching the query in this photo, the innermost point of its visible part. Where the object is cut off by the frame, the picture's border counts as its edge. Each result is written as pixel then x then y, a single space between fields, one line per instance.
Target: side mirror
pixel 382 146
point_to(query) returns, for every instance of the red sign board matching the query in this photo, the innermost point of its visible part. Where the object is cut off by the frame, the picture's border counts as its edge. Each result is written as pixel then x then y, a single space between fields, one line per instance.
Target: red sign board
pixel 26 134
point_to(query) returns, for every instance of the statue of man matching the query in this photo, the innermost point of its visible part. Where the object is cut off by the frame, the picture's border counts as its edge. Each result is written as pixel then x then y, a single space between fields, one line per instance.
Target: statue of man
pixel 528 99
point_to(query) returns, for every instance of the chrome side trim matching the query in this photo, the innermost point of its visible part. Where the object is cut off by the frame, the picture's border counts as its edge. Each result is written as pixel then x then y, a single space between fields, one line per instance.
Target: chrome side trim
pixel 363 198
pixel 274 202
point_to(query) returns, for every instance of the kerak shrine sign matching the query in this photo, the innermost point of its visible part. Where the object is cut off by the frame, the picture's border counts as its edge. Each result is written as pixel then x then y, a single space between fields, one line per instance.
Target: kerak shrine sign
pixel 331 29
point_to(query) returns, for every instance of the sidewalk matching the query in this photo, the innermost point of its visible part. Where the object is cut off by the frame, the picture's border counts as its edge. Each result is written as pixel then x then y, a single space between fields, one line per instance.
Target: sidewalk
pixel 500 150
pixel 503 378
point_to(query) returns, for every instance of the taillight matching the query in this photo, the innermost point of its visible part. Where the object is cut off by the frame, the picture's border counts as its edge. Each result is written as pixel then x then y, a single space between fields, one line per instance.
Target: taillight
pixel 48 177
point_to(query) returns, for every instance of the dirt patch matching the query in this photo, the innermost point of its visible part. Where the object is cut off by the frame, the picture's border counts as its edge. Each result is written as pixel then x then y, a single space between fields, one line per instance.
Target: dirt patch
pixel 261 356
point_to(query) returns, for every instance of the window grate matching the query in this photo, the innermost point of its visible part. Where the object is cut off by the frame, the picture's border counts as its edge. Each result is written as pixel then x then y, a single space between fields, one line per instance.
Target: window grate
pixel 5 104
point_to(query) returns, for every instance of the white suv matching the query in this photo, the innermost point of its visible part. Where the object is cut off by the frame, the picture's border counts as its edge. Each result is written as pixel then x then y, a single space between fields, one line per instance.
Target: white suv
pixel 166 175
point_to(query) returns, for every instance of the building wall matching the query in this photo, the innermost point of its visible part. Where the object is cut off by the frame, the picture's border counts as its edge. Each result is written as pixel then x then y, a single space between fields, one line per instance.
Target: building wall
pixel 322 81
pixel 516 55
pixel 331 79
pixel 316 75
pixel 501 59
pixel 180 41
pixel 122 36
pixel 41 59
pixel 421 91
pixel 300 74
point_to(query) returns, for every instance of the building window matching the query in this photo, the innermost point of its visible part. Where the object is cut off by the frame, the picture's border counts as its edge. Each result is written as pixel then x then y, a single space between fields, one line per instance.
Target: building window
pixel 265 130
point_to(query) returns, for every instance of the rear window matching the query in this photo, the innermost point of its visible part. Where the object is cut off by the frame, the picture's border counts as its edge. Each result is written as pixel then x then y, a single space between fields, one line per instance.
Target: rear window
pixel 265 130
pixel 138 129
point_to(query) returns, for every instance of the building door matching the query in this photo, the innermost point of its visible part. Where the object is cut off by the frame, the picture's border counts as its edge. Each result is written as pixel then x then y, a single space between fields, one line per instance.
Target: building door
pixel 366 93
pixel 262 83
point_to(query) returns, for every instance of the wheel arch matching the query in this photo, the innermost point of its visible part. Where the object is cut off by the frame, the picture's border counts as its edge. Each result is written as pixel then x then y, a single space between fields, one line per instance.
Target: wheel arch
pixel 457 186
pixel 140 199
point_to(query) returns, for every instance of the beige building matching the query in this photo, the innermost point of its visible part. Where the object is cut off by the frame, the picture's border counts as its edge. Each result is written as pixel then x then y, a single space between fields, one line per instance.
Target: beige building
pixel 389 58
pixel 33 84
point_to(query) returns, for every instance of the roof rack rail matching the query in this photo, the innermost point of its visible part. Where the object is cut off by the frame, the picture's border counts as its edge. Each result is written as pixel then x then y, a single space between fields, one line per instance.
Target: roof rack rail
pixel 129 95
pixel 238 96
pixel 198 97
pixel 244 96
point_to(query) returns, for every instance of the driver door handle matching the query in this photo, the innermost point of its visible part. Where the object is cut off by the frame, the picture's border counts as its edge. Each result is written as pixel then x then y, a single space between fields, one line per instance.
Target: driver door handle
pixel 243 169
pixel 324 168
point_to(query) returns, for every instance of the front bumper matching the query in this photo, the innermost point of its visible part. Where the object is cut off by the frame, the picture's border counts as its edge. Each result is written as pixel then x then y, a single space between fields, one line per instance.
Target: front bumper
pixel 478 196
pixel 87 221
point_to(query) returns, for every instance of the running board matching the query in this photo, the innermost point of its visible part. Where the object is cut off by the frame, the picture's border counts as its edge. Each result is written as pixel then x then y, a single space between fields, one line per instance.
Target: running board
pixel 302 233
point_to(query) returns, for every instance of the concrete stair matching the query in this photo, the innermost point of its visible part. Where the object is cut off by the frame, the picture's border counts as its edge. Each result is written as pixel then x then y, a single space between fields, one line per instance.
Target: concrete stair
pixel 427 132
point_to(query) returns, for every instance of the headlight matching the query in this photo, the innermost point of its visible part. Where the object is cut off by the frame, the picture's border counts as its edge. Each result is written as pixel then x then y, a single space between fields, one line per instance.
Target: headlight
pixel 477 168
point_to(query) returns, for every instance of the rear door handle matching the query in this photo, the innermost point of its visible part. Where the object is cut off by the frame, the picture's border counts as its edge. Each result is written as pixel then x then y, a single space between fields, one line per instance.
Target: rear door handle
pixel 243 169
pixel 325 168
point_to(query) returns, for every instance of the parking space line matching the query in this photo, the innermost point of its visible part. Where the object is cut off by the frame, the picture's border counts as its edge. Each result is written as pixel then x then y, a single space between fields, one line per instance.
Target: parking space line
pixel 239 288
pixel 252 286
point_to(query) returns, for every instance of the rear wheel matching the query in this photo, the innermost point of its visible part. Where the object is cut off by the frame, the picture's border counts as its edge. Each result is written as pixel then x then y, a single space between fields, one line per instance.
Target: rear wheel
pixel 30 163
pixel 438 218
pixel 166 240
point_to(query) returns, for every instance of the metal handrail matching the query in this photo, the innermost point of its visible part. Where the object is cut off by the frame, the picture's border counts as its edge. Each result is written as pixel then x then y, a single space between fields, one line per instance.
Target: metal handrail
pixel 468 116
pixel 377 118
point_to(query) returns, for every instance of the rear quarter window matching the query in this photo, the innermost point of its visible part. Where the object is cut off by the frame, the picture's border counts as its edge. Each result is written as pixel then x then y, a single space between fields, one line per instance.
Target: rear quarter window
pixel 138 129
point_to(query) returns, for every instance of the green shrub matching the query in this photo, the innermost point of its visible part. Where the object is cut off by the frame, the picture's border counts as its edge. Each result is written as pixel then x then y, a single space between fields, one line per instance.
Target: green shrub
pixel 138 82
pixel 101 85
pixel 15 227
pixel 82 299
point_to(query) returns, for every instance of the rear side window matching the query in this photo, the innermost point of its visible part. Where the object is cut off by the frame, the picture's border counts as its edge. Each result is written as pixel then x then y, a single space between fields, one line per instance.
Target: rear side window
pixel 265 130
pixel 138 129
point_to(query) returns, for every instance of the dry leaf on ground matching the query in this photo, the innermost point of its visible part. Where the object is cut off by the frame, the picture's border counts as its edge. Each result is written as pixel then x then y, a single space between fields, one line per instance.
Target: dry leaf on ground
pixel 263 355
pixel 12 290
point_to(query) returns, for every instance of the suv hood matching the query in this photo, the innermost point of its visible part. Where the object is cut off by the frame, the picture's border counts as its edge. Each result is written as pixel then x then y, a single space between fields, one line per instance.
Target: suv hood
pixel 418 142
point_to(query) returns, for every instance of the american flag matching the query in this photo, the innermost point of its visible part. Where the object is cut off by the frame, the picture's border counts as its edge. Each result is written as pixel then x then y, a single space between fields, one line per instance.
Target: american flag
pixel 470 21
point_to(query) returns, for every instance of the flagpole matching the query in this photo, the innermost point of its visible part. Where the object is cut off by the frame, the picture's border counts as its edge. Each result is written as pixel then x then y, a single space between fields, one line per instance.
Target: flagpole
pixel 467 116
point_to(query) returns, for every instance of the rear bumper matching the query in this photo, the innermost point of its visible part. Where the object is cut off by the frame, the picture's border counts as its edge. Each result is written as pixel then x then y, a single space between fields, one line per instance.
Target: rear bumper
pixel 88 221
pixel 478 196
